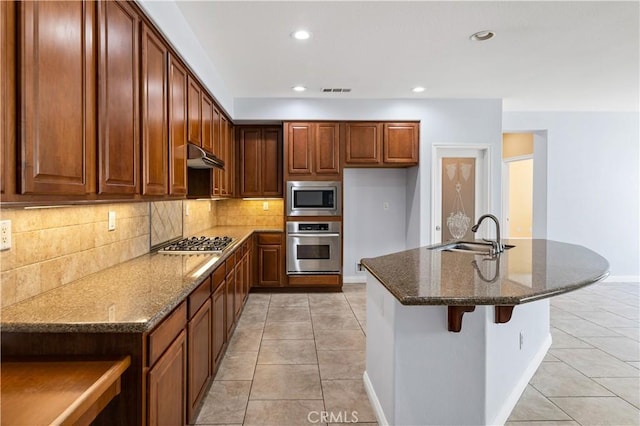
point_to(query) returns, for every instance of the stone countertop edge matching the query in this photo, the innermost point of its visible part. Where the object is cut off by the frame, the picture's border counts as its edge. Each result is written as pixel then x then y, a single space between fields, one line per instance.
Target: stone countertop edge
pixel 141 326
pixel 403 296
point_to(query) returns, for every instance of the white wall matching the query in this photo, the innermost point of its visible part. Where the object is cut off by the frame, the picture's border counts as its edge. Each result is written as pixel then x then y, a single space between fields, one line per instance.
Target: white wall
pixel 593 183
pixel 369 229
pixel 455 121
pixel 168 17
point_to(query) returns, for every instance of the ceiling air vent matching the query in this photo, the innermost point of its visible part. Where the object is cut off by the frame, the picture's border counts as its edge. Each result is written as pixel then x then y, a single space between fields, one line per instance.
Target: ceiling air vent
pixel 335 90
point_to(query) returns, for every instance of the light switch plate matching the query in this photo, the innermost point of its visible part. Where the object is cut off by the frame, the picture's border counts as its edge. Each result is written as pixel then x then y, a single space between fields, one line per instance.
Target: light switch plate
pixel 265 205
pixel 112 221
pixel 5 235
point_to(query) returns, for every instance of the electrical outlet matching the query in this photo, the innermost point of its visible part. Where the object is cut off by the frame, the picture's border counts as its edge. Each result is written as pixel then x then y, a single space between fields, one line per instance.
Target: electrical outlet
pixel 112 313
pixel 112 221
pixel 385 205
pixel 187 210
pixel 209 206
pixel 5 235
pixel 265 205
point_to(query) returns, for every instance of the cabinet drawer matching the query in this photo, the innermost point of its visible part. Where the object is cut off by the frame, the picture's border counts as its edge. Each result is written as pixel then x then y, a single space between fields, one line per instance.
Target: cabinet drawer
pixel 199 296
pixel 162 336
pixel 270 239
pixel 230 263
pixel 217 277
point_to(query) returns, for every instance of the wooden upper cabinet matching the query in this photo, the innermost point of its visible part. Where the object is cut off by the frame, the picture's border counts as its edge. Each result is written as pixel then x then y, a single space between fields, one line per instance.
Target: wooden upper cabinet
pixel 57 97
pixel 382 144
pixel 327 148
pixel 155 149
pixel 260 161
pixel 5 46
pixel 195 112
pixel 207 123
pixel 119 137
pixel 223 178
pixel 401 143
pixel 299 148
pixel 271 167
pixel 216 175
pixel 177 128
pixel 313 150
pixel 363 143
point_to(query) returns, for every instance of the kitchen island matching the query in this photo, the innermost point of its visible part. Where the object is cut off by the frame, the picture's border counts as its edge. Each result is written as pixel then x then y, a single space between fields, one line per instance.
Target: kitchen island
pixel 454 337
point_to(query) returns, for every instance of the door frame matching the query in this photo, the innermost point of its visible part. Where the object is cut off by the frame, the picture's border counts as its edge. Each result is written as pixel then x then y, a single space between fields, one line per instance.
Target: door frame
pixel 436 185
pixel 505 191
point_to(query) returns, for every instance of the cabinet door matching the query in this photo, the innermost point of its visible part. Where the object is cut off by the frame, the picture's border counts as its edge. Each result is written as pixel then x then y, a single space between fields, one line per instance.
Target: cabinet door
pixel 224 154
pixel 231 155
pixel 250 161
pixel 177 128
pixel 230 296
pixel 219 330
pixel 401 143
pixel 269 265
pixel 363 143
pixel 199 355
pixel 217 151
pixel 299 148
pixel 271 163
pixel 155 150
pixel 167 386
pixel 195 113
pixel 327 148
pixel 118 142
pixel 246 264
pixel 239 288
pixel 207 123
pixel 57 67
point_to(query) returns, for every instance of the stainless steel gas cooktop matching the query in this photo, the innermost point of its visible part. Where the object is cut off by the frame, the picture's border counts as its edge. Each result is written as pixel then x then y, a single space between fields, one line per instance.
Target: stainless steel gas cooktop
pixel 198 245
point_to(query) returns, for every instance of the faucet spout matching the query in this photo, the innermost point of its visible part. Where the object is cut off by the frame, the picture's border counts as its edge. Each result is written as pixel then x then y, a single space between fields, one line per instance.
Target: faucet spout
pixel 497 244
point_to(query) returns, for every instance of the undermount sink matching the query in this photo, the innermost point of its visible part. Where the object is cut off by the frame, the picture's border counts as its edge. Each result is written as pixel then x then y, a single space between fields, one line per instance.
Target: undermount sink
pixel 471 247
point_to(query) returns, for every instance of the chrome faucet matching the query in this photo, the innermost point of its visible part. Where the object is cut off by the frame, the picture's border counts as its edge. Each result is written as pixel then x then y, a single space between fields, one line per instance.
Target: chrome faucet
pixel 497 245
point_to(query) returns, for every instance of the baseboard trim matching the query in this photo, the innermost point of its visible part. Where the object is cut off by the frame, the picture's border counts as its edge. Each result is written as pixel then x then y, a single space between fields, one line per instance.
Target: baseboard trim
pixel 352 279
pixel 511 401
pixel 622 279
pixel 375 402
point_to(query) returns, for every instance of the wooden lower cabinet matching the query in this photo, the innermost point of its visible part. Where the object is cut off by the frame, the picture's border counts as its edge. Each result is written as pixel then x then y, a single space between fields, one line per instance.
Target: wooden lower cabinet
pixel 218 329
pixel 167 386
pixel 200 354
pixel 230 296
pixel 270 260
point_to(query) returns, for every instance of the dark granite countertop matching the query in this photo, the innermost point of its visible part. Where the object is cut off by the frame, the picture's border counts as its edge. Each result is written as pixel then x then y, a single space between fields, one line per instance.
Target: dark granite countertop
pixel 532 270
pixel 133 296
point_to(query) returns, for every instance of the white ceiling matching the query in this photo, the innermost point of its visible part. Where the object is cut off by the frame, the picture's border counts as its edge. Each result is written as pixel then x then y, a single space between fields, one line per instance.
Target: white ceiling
pixel 547 55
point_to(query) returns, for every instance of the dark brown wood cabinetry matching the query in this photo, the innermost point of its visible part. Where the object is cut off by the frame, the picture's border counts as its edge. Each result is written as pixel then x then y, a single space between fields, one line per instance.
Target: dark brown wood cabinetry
pixel 155 149
pixel 218 328
pixel 119 140
pixel 200 354
pixel 259 161
pixel 270 260
pixel 208 127
pixel 58 107
pixel 177 128
pixel 376 144
pixel 230 293
pixel 194 114
pixel 167 385
pixel 312 150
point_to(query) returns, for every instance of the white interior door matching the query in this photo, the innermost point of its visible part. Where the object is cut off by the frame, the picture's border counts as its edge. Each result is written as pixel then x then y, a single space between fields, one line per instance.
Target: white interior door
pixel 460 190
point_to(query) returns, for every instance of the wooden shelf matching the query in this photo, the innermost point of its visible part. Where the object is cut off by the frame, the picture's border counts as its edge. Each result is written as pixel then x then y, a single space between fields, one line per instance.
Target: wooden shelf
pixel 58 392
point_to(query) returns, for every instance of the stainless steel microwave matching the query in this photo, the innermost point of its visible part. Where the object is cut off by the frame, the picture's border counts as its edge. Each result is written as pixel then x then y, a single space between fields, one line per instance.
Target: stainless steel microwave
pixel 314 198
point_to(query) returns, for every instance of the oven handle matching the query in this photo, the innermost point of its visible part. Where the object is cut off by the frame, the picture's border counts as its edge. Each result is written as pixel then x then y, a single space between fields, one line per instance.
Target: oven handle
pixel 314 235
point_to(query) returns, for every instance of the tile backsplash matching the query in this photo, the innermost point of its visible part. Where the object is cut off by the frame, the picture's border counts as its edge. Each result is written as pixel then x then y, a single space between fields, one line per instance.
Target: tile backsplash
pixel 250 212
pixel 54 246
pixel 166 221
pixel 202 215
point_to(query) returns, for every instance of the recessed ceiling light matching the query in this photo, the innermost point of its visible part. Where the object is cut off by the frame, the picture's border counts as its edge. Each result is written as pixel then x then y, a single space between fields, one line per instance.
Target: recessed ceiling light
pixel 301 35
pixel 418 89
pixel 299 88
pixel 482 35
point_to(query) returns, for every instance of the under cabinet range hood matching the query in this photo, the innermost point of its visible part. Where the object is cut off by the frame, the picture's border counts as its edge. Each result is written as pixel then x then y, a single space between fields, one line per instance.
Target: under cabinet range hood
pixel 198 158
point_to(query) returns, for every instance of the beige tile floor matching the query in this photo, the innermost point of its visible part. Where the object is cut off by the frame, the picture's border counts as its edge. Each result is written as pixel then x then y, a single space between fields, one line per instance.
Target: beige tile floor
pixel 294 356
